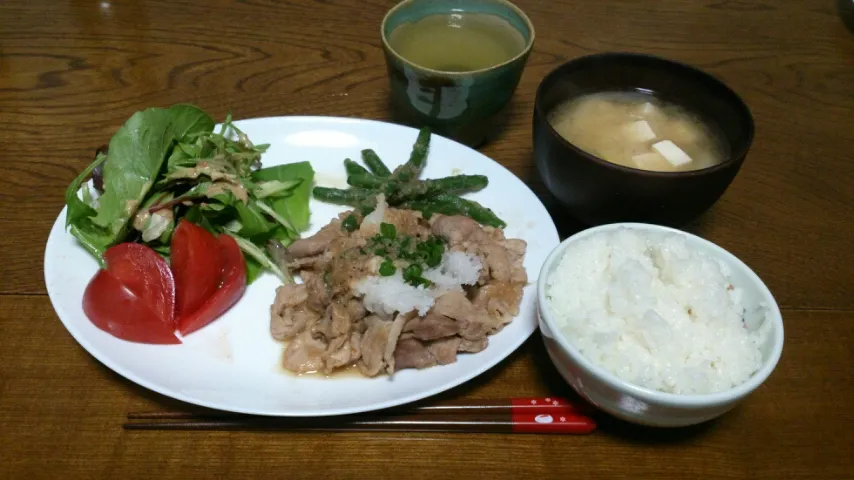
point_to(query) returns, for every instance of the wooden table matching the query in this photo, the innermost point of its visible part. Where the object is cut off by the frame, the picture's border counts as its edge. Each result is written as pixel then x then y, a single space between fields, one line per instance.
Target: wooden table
pixel 71 72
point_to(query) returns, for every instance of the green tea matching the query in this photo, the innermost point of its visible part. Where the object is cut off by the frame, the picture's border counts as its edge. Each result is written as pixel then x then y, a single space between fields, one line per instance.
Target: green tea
pixel 457 42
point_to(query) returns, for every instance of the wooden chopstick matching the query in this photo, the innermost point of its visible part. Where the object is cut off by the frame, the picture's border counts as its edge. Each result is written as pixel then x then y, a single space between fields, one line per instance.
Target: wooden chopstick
pixel 542 415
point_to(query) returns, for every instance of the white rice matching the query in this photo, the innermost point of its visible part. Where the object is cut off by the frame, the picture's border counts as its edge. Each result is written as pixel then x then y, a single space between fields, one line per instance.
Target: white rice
pixel 392 294
pixel 654 312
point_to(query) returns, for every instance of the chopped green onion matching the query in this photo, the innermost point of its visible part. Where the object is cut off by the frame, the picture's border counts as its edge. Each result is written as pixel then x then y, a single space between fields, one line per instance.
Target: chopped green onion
pixel 412 271
pixel 387 268
pixel 388 230
pixel 350 223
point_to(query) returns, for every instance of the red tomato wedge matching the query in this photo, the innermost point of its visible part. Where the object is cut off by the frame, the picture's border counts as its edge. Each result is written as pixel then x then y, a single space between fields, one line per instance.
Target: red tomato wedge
pixel 195 266
pixel 134 298
pixel 232 284
pixel 146 274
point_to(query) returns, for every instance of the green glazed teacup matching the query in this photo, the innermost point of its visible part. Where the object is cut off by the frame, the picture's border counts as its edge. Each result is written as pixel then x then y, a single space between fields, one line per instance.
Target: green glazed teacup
pixel 466 106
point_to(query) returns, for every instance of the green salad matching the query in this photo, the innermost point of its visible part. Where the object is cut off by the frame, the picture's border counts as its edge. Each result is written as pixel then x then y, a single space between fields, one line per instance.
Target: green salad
pixel 165 164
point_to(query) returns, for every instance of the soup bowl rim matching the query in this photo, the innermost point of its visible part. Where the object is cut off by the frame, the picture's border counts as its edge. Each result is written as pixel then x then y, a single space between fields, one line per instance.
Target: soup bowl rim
pixel 734 156
pixel 529 43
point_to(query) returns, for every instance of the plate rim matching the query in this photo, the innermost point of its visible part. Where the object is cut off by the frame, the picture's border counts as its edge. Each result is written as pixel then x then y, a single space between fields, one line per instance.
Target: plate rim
pixel 455 382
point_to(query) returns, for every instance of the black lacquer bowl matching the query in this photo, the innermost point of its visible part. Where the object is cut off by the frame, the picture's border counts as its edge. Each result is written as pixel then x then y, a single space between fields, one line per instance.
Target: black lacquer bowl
pixel 595 191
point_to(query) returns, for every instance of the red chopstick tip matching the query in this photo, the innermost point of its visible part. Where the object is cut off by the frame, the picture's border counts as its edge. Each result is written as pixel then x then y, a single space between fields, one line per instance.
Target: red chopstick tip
pixel 552 423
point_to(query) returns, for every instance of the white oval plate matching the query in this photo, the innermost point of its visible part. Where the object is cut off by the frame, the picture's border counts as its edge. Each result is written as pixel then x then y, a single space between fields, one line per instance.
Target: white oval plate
pixel 233 363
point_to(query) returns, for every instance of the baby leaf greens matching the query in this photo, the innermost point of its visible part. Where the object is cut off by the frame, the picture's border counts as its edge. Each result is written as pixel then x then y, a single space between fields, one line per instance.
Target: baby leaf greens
pixel 165 164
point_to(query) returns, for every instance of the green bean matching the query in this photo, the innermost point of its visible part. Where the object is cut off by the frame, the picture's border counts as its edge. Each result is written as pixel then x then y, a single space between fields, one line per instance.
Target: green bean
pixel 366 181
pixel 476 211
pixel 376 166
pixel 391 189
pixel 453 185
pixel 367 206
pixel 402 187
pixel 410 170
pixel 418 205
pixel 428 207
pixel 352 196
pixel 419 150
pixel 454 205
pixel 354 168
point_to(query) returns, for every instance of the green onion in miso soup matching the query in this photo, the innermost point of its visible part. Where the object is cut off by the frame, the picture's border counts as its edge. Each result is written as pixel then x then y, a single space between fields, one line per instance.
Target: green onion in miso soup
pixel 640 131
pixel 457 42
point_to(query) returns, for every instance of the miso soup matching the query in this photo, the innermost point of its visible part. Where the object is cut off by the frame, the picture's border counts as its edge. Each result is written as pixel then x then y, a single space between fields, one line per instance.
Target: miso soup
pixel 457 41
pixel 638 130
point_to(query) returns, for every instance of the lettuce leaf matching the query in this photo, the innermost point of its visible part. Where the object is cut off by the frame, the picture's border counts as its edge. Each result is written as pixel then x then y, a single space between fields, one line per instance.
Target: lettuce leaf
pixel 136 153
pixel 190 121
pixel 295 207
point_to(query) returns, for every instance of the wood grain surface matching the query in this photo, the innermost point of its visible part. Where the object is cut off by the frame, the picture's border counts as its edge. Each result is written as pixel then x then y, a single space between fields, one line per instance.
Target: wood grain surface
pixel 72 71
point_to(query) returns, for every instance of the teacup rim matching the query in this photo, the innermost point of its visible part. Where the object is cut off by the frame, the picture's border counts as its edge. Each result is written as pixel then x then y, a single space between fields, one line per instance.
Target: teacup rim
pixel 521 55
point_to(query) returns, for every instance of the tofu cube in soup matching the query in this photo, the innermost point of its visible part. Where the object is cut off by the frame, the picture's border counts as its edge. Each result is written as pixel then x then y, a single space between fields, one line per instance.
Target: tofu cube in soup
pixel 646 110
pixel 672 153
pixel 639 131
pixel 652 161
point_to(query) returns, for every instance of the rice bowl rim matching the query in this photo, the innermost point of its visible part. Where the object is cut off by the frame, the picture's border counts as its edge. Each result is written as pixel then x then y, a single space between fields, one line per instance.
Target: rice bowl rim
pixel 695 243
